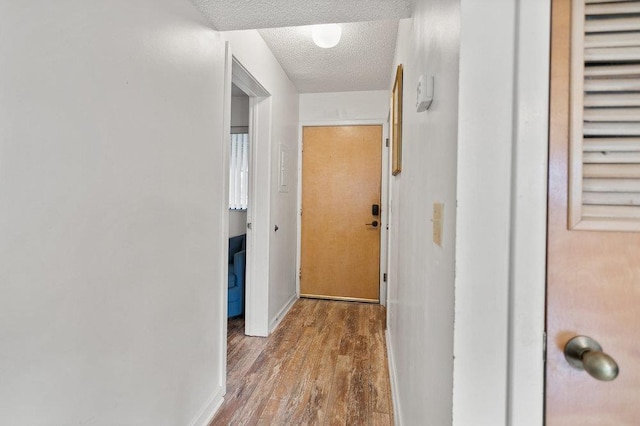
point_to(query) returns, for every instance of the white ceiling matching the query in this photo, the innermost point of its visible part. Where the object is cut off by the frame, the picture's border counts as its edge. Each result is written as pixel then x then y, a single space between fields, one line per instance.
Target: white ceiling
pixel 226 15
pixel 361 61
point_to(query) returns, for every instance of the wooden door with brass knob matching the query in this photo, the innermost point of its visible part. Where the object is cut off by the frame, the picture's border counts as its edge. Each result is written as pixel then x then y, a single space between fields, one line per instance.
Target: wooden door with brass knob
pixel 341 184
pixel 593 274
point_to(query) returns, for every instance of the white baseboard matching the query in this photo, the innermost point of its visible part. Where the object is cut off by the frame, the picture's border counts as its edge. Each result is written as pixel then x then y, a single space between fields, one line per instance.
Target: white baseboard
pixel 209 410
pixel 283 312
pixel 393 377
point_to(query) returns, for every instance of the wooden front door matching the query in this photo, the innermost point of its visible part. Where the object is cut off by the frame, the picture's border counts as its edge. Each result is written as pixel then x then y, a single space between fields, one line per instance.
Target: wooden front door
pixel 341 180
pixel 593 283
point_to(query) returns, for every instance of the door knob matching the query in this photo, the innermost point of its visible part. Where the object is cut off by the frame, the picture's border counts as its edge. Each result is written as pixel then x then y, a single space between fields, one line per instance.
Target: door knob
pixel 584 353
pixel 374 224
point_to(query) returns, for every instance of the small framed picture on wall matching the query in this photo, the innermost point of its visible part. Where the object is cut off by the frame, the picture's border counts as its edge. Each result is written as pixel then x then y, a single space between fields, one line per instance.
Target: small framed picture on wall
pixel 396 123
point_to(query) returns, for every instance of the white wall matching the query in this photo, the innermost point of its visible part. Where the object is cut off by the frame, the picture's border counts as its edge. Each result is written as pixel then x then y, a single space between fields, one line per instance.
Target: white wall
pixel 111 213
pixel 421 286
pixel 344 106
pixel 240 111
pixel 237 222
pixel 240 118
pixel 252 52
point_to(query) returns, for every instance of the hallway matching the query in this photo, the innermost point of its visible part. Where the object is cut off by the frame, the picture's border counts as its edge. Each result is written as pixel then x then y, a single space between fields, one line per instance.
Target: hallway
pixel 326 363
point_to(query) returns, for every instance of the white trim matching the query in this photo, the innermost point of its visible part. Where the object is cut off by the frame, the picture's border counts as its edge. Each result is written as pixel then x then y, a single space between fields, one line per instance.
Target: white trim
pixel 299 211
pixel 259 209
pixel 209 409
pixel 385 205
pixel 393 378
pixel 384 216
pixel 283 313
pixel 259 215
pixel 224 242
pixel 387 176
pixel 529 215
pixel 483 216
pixel 501 225
pixel 243 79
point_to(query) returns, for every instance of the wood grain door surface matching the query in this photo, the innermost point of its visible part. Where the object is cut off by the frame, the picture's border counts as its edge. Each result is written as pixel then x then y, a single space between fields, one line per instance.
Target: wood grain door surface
pixel 341 180
pixel 593 285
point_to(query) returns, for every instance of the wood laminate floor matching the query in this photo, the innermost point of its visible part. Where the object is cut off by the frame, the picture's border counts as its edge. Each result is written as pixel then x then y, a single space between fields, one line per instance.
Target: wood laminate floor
pixel 325 364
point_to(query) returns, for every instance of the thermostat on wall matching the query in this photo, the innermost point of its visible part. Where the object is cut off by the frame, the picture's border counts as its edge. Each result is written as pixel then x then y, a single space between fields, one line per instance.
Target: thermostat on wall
pixel 424 93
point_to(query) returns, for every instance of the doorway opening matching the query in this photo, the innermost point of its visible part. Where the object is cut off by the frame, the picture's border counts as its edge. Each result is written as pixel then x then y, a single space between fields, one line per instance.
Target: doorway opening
pixel 238 205
pixel 342 212
pixel 248 111
pixel 251 116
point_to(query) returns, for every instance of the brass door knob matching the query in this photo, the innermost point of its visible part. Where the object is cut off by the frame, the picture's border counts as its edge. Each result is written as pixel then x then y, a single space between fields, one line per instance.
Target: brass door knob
pixel 584 353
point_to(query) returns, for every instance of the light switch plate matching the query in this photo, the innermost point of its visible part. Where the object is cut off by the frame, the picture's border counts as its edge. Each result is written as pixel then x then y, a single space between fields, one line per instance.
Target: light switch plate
pixel 283 184
pixel 438 219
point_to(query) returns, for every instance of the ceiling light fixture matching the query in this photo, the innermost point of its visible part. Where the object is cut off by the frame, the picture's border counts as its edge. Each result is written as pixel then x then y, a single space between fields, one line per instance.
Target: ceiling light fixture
pixel 327 35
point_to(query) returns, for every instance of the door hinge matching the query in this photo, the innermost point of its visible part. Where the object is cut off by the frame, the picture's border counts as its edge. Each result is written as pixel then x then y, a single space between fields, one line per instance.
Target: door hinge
pixel 387 143
pixel 384 277
pixel 300 273
pixel 544 346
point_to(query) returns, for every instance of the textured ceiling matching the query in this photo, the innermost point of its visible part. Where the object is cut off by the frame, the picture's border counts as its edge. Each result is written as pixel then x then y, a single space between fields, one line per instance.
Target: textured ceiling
pixel 228 15
pixel 361 61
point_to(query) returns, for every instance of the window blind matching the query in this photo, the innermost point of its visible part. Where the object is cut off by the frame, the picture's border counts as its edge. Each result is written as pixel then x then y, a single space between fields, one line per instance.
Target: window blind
pixel 239 171
pixel 605 110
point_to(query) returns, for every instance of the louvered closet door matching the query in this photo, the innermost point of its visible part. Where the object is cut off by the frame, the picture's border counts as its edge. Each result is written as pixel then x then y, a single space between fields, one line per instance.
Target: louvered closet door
pixel 593 266
pixel 605 125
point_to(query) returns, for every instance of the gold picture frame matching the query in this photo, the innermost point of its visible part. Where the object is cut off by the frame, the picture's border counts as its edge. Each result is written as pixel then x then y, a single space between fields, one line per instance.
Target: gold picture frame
pixel 396 122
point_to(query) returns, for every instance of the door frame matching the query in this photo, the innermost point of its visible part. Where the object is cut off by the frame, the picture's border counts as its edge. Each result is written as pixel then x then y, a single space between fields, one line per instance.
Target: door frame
pixel 259 210
pixel 509 97
pixel 384 216
pixel 528 266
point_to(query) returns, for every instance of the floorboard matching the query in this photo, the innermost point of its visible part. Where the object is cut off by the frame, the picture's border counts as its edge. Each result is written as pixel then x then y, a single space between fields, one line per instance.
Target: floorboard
pixel 325 364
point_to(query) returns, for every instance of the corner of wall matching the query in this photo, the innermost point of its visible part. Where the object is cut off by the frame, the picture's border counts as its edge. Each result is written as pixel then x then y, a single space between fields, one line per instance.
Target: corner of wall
pixel 209 409
pixel 393 378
